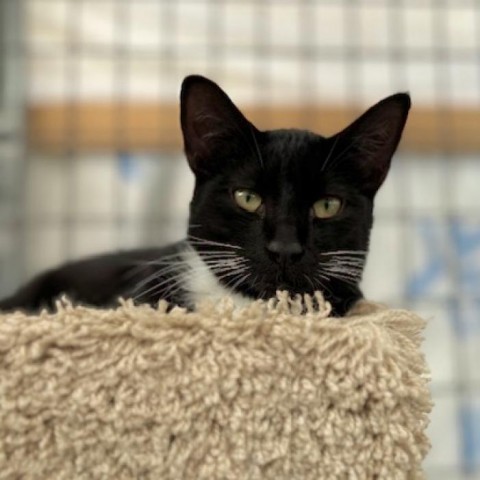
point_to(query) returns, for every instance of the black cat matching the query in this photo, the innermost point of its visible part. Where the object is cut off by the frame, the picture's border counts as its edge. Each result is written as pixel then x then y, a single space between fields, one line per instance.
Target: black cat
pixel 279 209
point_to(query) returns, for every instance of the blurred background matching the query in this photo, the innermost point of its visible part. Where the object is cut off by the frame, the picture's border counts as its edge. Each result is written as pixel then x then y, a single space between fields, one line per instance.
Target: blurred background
pixel 91 160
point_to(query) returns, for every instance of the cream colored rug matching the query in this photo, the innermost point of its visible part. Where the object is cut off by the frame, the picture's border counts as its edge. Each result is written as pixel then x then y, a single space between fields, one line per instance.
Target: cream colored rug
pixel 263 392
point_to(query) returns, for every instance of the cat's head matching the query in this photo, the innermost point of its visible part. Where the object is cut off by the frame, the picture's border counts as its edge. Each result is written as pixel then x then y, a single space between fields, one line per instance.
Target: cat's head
pixel 285 209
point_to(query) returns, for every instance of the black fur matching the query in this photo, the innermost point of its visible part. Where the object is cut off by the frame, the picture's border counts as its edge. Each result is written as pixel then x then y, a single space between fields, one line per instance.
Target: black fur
pixel 282 245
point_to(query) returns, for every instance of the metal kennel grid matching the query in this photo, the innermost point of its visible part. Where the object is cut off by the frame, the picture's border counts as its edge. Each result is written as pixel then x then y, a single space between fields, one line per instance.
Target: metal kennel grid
pixel 89 160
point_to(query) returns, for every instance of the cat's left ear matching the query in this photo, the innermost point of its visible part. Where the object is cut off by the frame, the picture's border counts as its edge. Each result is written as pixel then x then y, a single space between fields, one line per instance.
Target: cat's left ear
pixel 370 141
pixel 213 128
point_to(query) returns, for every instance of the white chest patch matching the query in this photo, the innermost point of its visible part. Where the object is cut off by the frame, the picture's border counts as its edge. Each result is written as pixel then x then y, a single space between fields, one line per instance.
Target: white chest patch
pixel 201 283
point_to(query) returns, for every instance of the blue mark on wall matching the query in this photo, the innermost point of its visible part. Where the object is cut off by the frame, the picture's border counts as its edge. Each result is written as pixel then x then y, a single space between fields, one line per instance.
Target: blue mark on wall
pixel 128 166
pixel 422 280
pixel 452 252
pixel 446 244
pixel 470 426
pixel 466 240
pixel 464 317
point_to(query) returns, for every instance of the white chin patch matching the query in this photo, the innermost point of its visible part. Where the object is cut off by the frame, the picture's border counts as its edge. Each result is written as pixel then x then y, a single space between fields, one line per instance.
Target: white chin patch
pixel 201 283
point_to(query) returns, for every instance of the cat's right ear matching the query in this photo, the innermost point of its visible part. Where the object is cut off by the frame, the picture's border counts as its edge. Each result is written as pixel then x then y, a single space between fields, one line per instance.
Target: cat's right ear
pixel 213 127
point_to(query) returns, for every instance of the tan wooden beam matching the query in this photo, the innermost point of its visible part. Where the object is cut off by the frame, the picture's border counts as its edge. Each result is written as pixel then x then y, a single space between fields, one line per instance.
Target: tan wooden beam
pixel 108 127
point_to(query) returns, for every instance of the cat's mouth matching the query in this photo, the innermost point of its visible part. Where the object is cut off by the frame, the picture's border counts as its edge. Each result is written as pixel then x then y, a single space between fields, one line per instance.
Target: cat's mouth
pixel 283 286
pixel 288 279
pixel 284 279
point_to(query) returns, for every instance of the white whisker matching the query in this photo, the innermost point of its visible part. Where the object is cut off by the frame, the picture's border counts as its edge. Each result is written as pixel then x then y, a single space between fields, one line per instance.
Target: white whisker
pixel 344 265
pixel 339 158
pixel 231 272
pixel 174 279
pixel 325 163
pixel 240 280
pixel 345 279
pixel 202 241
pixel 157 274
pixel 309 281
pixel 345 252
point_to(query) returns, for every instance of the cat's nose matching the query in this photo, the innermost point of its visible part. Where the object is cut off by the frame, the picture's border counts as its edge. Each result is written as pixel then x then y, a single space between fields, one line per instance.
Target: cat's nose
pixel 284 248
pixel 285 243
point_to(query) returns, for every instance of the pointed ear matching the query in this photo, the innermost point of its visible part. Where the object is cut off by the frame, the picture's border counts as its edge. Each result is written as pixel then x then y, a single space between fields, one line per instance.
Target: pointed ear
pixel 370 141
pixel 213 127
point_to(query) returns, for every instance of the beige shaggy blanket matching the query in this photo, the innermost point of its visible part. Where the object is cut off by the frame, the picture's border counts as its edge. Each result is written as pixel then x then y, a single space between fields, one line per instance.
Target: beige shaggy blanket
pixel 262 392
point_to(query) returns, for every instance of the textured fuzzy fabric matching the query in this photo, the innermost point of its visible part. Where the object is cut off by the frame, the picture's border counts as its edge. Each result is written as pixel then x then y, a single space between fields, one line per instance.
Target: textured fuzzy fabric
pixel 263 392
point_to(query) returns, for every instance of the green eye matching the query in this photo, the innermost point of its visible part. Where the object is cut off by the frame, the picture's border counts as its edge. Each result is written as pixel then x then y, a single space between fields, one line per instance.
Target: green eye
pixel 248 200
pixel 327 207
